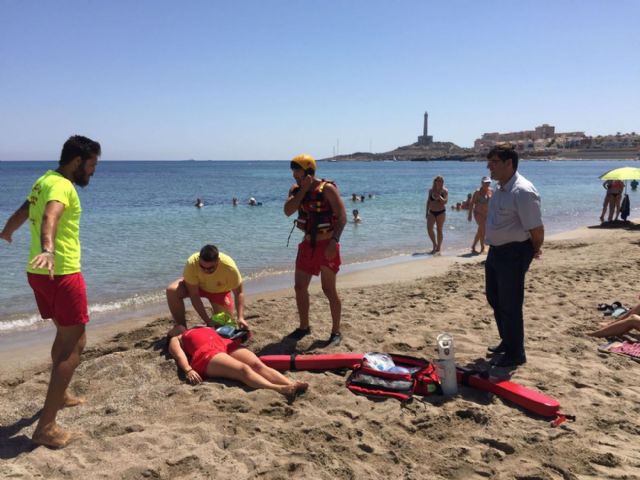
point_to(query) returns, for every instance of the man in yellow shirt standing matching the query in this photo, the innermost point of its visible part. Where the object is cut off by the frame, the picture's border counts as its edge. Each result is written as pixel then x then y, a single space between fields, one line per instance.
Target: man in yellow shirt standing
pixel 207 274
pixel 53 209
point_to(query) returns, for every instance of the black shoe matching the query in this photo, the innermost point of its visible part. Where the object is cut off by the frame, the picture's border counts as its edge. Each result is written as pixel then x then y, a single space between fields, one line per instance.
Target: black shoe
pixel 334 340
pixel 499 348
pixel 508 361
pixel 299 333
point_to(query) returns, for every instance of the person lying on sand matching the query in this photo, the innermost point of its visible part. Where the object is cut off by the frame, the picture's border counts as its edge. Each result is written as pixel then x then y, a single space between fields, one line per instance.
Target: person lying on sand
pixel 618 328
pixel 213 356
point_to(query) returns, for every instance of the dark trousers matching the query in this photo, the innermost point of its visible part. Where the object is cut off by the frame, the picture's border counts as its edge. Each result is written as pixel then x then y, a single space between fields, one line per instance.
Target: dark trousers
pixel 505 269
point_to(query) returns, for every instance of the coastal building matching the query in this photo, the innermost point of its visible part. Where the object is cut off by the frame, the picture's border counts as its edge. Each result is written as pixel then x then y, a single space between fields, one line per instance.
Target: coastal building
pixel 541 138
pixel 425 138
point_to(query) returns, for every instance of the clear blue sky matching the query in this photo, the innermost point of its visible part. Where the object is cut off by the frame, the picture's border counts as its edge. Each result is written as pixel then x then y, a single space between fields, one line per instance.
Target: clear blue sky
pixel 268 79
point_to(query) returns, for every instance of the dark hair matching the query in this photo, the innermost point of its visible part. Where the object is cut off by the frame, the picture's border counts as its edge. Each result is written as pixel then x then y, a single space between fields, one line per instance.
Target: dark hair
pixel 296 166
pixel 504 152
pixel 79 146
pixel 209 253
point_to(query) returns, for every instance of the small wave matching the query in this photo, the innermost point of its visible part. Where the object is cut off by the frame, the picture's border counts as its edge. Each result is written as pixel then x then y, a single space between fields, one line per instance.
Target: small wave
pixel 267 272
pixel 22 323
pixel 31 322
pixel 137 300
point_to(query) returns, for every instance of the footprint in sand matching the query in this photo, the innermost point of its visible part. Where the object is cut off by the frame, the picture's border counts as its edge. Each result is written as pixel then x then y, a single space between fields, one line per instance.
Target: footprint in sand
pixel 365 448
pixel 472 414
pixel 498 445
pixel 184 466
pixel 113 429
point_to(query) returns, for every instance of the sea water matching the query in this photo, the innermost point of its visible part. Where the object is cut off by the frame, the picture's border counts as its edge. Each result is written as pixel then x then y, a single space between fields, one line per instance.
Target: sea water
pixel 139 223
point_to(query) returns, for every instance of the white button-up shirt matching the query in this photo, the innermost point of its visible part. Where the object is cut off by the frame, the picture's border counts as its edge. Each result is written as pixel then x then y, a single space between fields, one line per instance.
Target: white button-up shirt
pixel 514 209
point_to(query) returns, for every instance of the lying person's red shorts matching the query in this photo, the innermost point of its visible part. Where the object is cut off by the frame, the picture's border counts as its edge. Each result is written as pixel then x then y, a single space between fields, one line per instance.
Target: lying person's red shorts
pixel 310 260
pixel 204 343
pixel 64 298
pixel 224 299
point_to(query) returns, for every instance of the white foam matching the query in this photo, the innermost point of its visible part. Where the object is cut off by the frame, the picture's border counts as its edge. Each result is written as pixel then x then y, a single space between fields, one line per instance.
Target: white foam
pixel 34 321
pixel 21 323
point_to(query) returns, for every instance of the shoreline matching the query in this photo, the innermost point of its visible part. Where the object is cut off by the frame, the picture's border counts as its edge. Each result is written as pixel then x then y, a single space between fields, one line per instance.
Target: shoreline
pixel 104 310
pixel 28 349
pixel 34 344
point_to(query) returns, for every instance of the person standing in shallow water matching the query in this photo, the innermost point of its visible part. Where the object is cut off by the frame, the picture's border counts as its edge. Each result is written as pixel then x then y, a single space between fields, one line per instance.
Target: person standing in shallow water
pixel 322 217
pixel 479 206
pixel 515 235
pixel 53 209
pixel 436 212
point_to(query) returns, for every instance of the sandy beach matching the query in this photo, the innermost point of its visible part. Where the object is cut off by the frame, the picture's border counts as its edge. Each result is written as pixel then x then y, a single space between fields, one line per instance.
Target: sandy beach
pixel 141 420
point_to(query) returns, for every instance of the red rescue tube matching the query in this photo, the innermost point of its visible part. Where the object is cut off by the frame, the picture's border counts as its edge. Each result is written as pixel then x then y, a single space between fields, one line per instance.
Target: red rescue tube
pixel 524 397
pixel 530 400
pixel 320 362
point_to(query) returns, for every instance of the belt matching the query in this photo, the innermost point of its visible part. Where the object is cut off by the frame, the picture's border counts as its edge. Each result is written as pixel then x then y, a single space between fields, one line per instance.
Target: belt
pixel 510 245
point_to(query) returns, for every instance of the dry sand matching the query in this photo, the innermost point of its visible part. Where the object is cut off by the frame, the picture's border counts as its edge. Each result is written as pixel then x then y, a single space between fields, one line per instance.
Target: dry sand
pixel 141 420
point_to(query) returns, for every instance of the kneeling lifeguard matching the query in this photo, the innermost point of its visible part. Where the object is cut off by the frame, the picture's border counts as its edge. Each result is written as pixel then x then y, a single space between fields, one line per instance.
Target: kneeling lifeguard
pixel 208 274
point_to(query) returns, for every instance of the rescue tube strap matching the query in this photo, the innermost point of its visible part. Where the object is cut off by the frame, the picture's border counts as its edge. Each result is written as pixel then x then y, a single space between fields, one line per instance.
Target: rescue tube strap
pixel 466 373
pixel 291 232
pixel 292 362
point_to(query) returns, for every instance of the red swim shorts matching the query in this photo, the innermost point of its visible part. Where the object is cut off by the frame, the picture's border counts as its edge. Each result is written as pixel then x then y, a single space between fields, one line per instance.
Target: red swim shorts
pixel 209 344
pixel 64 298
pixel 311 260
pixel 224 299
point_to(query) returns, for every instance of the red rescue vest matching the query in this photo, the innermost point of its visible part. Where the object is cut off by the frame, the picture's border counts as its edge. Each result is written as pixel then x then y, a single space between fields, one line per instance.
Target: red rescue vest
pixel 315 214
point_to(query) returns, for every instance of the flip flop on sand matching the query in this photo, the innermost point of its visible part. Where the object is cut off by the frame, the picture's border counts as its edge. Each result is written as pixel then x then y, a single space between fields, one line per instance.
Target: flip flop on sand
pixel 614 307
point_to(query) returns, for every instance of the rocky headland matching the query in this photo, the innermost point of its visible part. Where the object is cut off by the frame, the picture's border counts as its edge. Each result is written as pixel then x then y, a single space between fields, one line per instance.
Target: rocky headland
pixel 450 151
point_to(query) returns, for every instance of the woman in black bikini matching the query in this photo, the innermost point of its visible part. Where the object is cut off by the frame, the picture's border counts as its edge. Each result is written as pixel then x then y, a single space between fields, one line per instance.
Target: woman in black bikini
pixel 436 212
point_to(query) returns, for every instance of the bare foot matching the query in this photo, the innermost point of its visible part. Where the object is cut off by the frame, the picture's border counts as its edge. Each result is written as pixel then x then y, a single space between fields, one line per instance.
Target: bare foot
pixel 71 401
pixel 474 251
pixel 54 437
pixel 301 387
pixel 295 389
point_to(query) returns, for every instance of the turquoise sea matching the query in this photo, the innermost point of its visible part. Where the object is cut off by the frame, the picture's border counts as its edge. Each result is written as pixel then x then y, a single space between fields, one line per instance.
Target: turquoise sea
pixel 139 224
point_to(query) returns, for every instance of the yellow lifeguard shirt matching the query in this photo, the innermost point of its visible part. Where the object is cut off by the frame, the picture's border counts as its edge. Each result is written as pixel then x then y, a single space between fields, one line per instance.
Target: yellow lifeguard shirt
pixel 52 186
pixel 226 277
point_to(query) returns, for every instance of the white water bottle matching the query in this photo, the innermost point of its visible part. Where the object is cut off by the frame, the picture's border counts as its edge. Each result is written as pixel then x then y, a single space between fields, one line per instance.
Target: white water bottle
pixel 447 364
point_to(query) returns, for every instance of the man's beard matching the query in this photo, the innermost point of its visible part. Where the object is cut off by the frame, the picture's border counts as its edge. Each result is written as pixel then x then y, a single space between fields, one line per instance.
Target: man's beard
pixel 80 176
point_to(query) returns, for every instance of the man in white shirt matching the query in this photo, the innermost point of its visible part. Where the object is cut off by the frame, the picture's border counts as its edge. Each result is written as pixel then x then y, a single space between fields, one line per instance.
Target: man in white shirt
pixel 515 234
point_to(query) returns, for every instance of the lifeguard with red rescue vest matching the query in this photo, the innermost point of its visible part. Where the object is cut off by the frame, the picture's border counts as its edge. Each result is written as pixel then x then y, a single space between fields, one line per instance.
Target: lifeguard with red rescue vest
pixel 322 217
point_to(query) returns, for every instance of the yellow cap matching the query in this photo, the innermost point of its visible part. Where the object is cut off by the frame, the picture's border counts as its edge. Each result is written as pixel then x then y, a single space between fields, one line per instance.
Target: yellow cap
pixel 305 161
